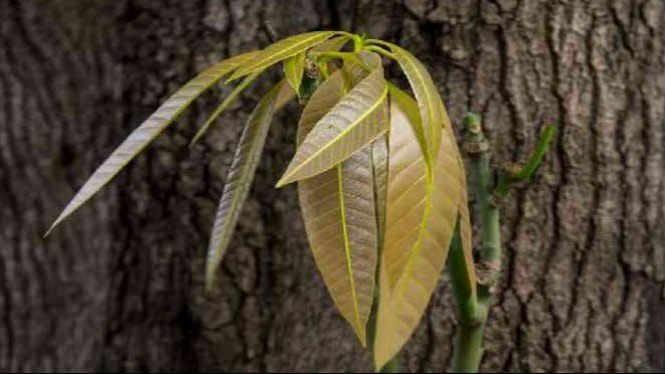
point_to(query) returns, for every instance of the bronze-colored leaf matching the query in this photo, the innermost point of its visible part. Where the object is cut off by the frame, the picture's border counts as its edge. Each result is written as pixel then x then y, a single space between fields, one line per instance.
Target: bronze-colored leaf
pixel 351 124
pixel 338 210
pixel 239 180
pixel 150 128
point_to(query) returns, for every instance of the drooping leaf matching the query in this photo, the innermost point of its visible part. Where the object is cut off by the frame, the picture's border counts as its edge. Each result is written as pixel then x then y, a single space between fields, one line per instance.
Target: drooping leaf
pixel 338 210
pixel 432 112
pixel 421 213
pixel 239 180
pixel 293 70
pixel 223 106
pixel 285 95
pixel 351 124
pixel 150 128
pixel 280 50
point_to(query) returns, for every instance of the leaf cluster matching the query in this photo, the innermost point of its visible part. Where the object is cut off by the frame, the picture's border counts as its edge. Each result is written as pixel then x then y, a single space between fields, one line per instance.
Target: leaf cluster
pixel 379 174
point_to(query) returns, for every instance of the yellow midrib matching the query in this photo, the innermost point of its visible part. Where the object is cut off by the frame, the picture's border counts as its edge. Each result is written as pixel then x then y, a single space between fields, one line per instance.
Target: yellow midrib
pixel 280 54
pixel 348 129
pixel 417 246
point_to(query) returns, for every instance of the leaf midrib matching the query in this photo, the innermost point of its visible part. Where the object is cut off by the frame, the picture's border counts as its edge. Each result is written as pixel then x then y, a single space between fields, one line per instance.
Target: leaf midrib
pixel 280 54
pixel 343 133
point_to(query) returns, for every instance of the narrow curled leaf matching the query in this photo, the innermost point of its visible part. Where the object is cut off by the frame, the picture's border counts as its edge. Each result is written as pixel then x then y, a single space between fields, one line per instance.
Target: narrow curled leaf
pixel 338 210
pixel 239 180
pixel 351 124
pixel 432 112
pixel 422 209
pixel 150 128
pixel 280 50
pixel 223 106
pixel 380 169
pixel 293 70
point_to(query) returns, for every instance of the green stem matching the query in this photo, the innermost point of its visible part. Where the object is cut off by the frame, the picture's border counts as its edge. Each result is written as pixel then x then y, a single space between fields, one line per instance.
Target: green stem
pixel 473 309
pixel 468 349
pixel 507 180
pixel 472 313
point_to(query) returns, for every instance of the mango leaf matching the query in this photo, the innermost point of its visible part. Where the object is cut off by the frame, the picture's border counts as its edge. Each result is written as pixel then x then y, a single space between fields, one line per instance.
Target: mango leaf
pixel 285 95
pixel 293 70
pixel 223 106
pixel 280 50
pixel 150 128
pixel 432 112
pixel 351 124
pixel 333 44
pixel 239 180
pixel 421 214
pixel 338 210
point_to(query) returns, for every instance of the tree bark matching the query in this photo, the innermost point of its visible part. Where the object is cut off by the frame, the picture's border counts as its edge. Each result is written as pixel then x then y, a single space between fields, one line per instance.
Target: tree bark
pixel 119 286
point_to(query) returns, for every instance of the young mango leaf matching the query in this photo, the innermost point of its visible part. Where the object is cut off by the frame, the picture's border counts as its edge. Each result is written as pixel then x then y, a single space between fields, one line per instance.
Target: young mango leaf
pixel 239 180
pixel 333 44
pixel 285 95
pixel 338 210
pixel 421 214
pixel 432 112
pixel 351 124
pixel 223 106
pixel 293 70
pixel 280 50
pixel 150 128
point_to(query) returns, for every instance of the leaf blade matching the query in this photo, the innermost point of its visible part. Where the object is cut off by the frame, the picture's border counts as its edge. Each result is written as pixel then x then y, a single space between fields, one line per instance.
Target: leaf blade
pixel 432 112
pixel 293 70
pixel 222 107
pixel 409 285
pixel 149 130
pixel 346 128
pixel 338 211
pixel 280 50
pixel 239 180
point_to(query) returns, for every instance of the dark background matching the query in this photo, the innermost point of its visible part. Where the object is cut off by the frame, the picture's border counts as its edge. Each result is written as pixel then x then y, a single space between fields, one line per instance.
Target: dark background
pixel 119 286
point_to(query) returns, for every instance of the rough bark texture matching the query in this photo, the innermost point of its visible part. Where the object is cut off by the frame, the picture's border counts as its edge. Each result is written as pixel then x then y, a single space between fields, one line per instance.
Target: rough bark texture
pixel 119 286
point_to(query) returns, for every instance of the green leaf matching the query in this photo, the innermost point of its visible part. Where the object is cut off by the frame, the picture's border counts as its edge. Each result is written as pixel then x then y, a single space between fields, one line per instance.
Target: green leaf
pixel 339 216
pixel 280 50
pixel 293 70
pixel 332 44
pixel 432 112
pixel 239 180
pixel 351 124
pixel 150 128
pixel 421 213
pixel 223 106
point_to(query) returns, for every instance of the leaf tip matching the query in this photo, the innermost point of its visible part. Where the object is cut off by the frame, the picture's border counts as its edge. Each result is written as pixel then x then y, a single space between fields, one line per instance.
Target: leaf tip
pixel 211 275
pixel 55 224
pixel 287 178
pixel 194 140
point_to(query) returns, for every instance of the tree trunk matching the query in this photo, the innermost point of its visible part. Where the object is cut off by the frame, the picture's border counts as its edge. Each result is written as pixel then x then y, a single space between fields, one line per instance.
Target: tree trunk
pixel 119 286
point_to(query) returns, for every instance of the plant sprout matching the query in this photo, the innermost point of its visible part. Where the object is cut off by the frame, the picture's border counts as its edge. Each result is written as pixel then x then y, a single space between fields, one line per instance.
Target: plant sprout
pixel 380 178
